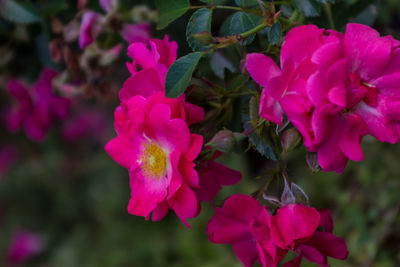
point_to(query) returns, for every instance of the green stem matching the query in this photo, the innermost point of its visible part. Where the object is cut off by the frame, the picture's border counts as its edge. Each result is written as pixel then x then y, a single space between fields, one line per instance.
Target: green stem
pixel 229 7
pixel 329 14
pixel 219 7
pixel 254 30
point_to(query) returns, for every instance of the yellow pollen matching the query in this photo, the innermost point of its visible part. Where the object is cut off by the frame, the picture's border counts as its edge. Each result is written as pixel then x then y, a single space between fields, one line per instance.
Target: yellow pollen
pixel 154 161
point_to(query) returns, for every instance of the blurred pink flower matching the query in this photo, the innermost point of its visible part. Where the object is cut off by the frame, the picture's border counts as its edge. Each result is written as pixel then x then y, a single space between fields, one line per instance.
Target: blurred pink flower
pixel 35 109
pixel 87 123
pixel 8 156
pixel 154 143
pixel 136 33
pixel 109 5
pixel 90 28
pixel 334 88
pixel 246 224
pixel 24 246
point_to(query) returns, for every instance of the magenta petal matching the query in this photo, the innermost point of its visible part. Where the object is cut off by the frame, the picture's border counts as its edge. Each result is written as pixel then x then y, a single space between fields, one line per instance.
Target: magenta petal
pixel 350 142
pixel 317 88
pixel 160 211
pixel 330 245
pixel 326 220
pixel 194 114
pixel 327 54
pixel 389 85
pixel 300 43
pixel 261 68
pixel 368 53
pixel 146 193
pixel 246 251
pixel 144 83
pixel 89 28
pixel 322 122
pixel 212 176
pixel 196 144
pixel 330 156
pixel 144 57
pixel 312 254
pixel 125 151
pixel 184 203
pixel 293 222
pixel 270 108
pixel 338 96
pixel 167 50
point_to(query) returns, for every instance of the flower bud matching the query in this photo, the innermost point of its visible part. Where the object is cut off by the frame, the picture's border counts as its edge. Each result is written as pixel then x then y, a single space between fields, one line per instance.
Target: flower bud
pixel 290 139
pixel 312 162
pixel 223 141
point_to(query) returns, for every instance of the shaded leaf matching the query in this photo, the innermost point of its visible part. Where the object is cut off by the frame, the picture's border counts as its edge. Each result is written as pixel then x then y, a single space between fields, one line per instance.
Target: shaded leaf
pixel 19 12
pixel 308 7
pixel 199 22
pixel 242 22
pixel 246 3
pixel 179 74
pixel 170 10
pixel 274 33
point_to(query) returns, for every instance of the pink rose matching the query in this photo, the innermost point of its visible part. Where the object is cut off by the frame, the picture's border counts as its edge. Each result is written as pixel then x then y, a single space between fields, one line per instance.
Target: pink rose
pixel 334 88
pixel 24 246
pixel 36 108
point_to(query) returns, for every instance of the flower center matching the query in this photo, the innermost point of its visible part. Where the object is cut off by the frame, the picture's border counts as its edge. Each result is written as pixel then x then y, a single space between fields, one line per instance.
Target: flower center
pixel 154 161
pixel 360 91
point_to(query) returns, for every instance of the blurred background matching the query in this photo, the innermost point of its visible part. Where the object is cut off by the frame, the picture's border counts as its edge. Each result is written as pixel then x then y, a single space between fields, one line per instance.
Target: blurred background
pixel 63 199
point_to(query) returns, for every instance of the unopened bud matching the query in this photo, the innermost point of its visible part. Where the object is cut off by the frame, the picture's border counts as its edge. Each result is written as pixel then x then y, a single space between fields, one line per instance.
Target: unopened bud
pixel 312 162
pixel 204 38
pixel 291 138
pixel 223 141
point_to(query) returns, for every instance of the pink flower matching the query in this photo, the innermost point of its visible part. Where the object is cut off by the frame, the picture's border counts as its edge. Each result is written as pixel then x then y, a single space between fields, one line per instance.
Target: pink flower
pixel 246 224
pixel 334 88
pixel 256 236
pixel 88 123
pixel 154 143
pixel 109 5
pixel 136 33
pixel 213 176
pixel 35 109
pixel 90 28
pixel 313 245
pixel 24 246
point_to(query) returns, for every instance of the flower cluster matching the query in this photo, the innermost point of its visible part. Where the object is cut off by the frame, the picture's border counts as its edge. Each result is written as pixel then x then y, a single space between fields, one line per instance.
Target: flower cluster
pixel 154 141
pixel 335 88
pixel 258 236
pixel 35 109
pixel 92 24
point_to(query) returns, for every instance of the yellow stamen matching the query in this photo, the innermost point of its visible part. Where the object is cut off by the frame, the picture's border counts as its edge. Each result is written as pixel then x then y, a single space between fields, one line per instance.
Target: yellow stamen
pixel 154 161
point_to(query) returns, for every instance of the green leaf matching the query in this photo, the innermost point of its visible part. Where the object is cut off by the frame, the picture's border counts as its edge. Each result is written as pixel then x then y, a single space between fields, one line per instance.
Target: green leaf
pixel 308 7
pixel 19 12
pixel 259 140
pixel 368 15
pixel 275 33
pixel 246 3
pixel 199 22
pixel 170 10
pixel 179 74
pixel 242 22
